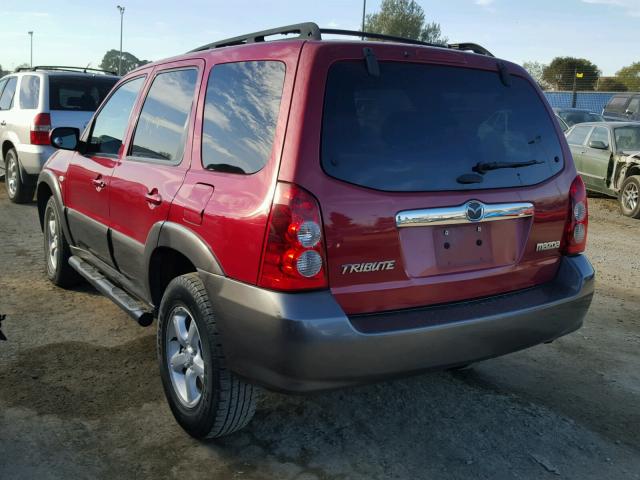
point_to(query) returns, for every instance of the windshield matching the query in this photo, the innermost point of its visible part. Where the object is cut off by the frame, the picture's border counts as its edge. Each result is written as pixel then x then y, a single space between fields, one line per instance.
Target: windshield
pixel 627 138
pixel 419 127
pixel 76 92
pixel 580 117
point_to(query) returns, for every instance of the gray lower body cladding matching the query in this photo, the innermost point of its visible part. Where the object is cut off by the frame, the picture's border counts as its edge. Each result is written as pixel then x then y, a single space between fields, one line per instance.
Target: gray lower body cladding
pixel 301 342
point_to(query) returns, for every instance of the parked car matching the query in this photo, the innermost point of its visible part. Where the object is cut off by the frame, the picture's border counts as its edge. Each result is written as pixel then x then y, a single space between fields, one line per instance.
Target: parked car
pixel 307 214
pixel 563 125
pixel 32 102
pixel 623 107
pixel 571 116
pixel 607 156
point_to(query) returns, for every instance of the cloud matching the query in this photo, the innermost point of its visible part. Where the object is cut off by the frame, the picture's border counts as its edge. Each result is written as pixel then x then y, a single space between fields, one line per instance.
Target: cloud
pixel 631 7
pixel 484 3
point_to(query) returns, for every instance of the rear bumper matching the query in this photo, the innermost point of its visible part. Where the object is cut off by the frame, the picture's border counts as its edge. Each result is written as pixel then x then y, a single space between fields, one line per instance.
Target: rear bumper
pixel 304 342
pixel 33 157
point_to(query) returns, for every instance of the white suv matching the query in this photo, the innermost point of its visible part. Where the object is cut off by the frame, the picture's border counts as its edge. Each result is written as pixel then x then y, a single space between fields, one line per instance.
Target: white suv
pixel 35 100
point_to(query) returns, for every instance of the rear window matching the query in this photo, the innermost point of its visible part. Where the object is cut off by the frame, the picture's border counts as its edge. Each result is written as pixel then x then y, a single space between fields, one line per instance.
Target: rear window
pixel 573 117
pixel 421 127
pixel 578 135
pixel 74 92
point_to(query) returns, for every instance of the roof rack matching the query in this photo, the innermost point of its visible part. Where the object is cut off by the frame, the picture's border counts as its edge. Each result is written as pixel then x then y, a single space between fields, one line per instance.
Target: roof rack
pixel 64 69
pixel 311 31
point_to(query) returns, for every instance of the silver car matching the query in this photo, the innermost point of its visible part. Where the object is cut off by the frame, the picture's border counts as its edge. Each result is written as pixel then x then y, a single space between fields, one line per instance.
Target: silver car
pixel 34 101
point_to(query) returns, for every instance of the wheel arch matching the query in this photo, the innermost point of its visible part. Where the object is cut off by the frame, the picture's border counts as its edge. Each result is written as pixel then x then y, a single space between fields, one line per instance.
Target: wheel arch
pixel 173 250
pixel 47 187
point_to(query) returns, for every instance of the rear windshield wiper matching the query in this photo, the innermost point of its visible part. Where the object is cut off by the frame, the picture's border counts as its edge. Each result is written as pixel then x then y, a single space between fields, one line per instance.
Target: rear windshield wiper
pixel 483 167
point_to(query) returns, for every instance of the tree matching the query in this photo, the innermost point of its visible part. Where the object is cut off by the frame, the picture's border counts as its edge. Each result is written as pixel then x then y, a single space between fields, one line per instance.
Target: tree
pixel 630 76
pixel 3 72
pixel 536 70
pixel 611 84
pixel 561 71
pixel 129 61
pixel 404 18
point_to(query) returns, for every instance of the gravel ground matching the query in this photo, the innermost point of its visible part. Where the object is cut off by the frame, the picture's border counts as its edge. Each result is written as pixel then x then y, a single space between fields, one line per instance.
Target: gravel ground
pixel 80 396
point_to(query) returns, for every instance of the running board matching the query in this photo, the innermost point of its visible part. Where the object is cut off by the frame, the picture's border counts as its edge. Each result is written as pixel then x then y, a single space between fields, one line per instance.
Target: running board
pixel 133 307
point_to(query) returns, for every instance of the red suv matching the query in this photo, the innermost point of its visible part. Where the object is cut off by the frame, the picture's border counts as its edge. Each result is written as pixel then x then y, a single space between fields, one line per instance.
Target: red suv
pixel 304 214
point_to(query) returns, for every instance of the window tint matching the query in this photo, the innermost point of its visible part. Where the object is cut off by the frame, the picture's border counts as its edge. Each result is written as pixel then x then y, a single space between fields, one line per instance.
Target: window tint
pixel 628 139
pixel 162 127
pixel 29 91
pixel 600 134
pixel 240 116
pixel 617 103
pixel 578 135
pixel 634 105
pixel 421 127
pixel 6 99
pixel 76 92
pixel 111 123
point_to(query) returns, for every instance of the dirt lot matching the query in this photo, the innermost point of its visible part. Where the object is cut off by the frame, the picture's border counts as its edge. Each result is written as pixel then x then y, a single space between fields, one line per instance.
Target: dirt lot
pixel 80 396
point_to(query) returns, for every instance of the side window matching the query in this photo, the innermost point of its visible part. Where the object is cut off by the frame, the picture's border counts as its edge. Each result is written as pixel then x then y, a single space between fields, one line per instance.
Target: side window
pixel 111 123
pixel 29 91
pixel 240 115
pixel 162 128
pixel 600 134
pixel 616 104
pixel 3 81
pixel 634 105
pixel 6 99
pixel 578 135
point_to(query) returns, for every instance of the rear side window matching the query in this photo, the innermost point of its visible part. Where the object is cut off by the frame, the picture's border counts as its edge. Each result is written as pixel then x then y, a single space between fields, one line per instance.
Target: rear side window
pixel 6 99
pixel 111 122
pixel 421 127
pixel 29 91
pixel 616 104
pixel 162 127
pixel 77 92
pixel 240 116
pixel 578 135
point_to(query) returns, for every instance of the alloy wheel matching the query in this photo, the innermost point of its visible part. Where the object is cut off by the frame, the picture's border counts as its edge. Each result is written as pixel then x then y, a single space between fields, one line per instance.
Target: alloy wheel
pixel 184 356
pixel 630 196
pixel 12 176
pixel 52 241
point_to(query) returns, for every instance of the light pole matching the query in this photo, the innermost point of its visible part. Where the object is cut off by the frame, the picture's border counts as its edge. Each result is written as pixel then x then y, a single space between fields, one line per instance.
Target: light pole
pixel 120 57
pixel 31 55
pixel 364 11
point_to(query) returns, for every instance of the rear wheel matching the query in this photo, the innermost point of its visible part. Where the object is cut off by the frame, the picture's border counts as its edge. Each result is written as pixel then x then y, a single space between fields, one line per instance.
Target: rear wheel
pixel 206 399
pixel 629 197
pixel 18 192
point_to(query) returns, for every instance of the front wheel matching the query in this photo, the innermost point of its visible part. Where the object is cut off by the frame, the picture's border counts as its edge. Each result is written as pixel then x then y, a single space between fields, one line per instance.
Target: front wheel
pixel 629 197
pixel 206 399
pixel 56 249
pixel 17 191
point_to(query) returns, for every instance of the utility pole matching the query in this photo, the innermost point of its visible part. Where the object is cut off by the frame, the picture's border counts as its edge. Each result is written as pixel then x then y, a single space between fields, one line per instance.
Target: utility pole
pixel 364 12
pixel 120 57
pixel 31 55
pixel 574 97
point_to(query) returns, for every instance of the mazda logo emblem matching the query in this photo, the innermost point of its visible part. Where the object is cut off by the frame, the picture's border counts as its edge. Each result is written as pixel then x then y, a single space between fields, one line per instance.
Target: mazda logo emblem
pixel 474 211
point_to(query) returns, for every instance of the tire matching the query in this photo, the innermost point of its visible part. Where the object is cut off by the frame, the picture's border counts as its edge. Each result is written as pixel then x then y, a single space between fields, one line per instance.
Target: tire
pixel 629 197
pixel 17 191
pixel 218 402
pixel 56 249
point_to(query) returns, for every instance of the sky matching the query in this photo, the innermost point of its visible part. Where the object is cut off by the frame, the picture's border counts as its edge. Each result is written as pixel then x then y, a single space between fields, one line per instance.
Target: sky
pixel 75 32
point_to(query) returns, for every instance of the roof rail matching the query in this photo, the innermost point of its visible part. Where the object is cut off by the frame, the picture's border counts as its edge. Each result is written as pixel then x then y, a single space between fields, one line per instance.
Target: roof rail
pixel 64 69
pixel 311 31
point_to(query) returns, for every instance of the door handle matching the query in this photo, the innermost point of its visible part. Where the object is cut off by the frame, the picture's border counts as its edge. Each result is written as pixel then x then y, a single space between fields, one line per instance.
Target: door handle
pixel 153 197
pixel 98 183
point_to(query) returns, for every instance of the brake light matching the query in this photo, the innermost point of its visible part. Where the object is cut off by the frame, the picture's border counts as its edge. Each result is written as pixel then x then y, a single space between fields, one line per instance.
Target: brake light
pixel 575 233
pixel 294 256
pixel 39 134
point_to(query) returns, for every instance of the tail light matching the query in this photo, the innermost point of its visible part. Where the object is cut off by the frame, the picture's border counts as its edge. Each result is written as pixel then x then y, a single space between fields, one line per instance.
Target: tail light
pixel 294 253
pixel 39 134
pixel 575 233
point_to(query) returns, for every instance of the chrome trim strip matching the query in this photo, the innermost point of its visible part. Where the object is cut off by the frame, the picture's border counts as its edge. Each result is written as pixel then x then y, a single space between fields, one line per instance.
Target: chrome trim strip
pixel 428 217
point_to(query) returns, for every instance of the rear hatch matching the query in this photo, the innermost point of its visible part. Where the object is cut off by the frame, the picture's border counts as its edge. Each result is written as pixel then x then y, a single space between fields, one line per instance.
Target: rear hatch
pixel 440 182
pixel 74 98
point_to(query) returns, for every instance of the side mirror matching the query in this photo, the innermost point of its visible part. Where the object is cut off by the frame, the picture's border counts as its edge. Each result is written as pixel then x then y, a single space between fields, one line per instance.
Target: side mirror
pixel 598 144
pixel 65 138
pixel 628 112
